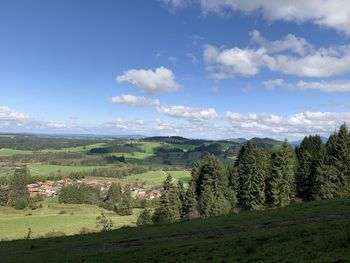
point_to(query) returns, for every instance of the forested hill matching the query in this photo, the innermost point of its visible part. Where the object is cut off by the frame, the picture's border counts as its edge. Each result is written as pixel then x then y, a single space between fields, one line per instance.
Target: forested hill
pixel 307 232
pixel 261 142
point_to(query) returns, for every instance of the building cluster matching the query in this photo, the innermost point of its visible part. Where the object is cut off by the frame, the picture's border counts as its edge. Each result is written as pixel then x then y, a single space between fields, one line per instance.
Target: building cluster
pixel 52 188
pixel 142 193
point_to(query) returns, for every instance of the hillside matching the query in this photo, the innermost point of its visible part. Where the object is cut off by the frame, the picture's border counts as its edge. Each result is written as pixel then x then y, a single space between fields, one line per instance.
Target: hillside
pixel 311 232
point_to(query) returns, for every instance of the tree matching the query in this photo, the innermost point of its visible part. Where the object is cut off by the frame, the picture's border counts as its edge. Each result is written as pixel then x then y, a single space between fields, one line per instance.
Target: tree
pixel 169 207
pixel 280 189
pixel 114 196
pixel 189 206
pixel 311 155
pixel 125 207
pixel 144 218
pixel 18 193
pixel 252 174
pixel 338 156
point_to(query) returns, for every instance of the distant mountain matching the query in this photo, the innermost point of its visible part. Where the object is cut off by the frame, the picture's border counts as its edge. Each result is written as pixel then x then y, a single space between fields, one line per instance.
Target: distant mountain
pixel 237 140
pixel 261 142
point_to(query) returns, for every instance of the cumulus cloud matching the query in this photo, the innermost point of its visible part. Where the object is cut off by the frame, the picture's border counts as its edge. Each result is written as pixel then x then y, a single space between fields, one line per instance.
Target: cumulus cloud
pixel 333 14
pixel 131 100
pixel 332 86
pixel 149 81
pixel 187 112
pixel 176 111
pixel 8 114
pixel 291 55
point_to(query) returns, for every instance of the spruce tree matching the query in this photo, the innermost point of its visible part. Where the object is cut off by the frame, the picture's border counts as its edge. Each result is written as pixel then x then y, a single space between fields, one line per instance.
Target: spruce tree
pixel 280 188
pixel 169 207
pixel 114 196
pixel 144 218
pixel 125 207
pixel 338 156
pixel 311 155
pixel 252 174
pixel 190 206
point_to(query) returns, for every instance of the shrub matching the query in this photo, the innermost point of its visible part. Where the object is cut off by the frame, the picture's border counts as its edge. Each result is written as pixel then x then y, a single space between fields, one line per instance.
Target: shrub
pixel 20 203
pixel 86 230
pixel 55 234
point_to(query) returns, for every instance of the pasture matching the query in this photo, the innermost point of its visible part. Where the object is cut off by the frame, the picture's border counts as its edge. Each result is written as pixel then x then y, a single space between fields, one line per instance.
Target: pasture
pixel 53 216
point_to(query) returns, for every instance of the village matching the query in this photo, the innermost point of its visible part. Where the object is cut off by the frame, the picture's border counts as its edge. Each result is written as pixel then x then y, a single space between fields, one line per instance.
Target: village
pixel 50 189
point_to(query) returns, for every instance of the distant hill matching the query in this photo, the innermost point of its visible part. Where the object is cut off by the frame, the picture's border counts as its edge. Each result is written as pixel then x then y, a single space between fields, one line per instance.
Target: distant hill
pixel 237 140
pixel 261 142
pixel 308 232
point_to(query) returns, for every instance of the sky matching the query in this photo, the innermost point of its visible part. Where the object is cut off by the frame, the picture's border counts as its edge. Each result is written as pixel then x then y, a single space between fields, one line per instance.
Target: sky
pixel 213 69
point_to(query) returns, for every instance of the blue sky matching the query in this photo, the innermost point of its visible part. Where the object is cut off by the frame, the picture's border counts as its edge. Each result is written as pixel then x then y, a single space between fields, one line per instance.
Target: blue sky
pixel 195 68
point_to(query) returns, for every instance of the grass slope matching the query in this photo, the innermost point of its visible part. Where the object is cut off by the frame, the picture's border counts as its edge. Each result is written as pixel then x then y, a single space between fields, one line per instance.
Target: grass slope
pixel 14 223
pixel 312 232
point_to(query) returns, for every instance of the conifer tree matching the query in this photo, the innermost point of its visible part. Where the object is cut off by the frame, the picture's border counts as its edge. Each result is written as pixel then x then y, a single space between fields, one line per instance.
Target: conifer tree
pixel 125 207
pixel 252 175
pixel 114 196
pixel 190 206
pixel 144 218
pixel 338 156
pixel 169 206
pixel 280 188
pixel 311 156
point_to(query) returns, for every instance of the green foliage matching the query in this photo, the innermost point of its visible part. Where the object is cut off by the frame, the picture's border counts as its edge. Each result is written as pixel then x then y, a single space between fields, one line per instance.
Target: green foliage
pixel 103 222
pixel 144 218
pixel 252 174
pixel 281 180
pixel 338 156
pixel 124 208
pixel 79 194
pixel 169 208
pixel 114 196
pixel 311 155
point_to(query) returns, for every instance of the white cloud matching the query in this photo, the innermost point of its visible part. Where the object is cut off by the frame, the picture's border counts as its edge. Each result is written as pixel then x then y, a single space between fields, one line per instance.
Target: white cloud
pixel 8 114
pixel 187 112
pixel 152 82
pixel 303 61
pixel 334 14
pixel 290 42
pixel 132 100
pixel 333 86
pixel 227 63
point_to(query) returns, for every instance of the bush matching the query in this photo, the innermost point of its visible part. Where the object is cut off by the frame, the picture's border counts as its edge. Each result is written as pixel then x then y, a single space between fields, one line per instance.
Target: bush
pixel 86 230
pixel 144 218
pixel 53 234
pixel 20 203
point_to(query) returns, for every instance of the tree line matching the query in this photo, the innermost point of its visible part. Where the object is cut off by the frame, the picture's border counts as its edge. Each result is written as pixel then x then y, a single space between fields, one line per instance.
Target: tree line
pixel 259 178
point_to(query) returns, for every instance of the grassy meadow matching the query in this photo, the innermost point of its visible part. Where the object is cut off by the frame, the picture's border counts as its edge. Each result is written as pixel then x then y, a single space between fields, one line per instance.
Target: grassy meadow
pixel 309 232
pixel 53 216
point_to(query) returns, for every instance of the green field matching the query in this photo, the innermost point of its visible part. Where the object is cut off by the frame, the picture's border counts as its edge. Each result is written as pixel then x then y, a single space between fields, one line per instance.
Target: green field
pixel 157 177
pixel 9 152
pixel 310 232
pixel 45 169
pixel 14 224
